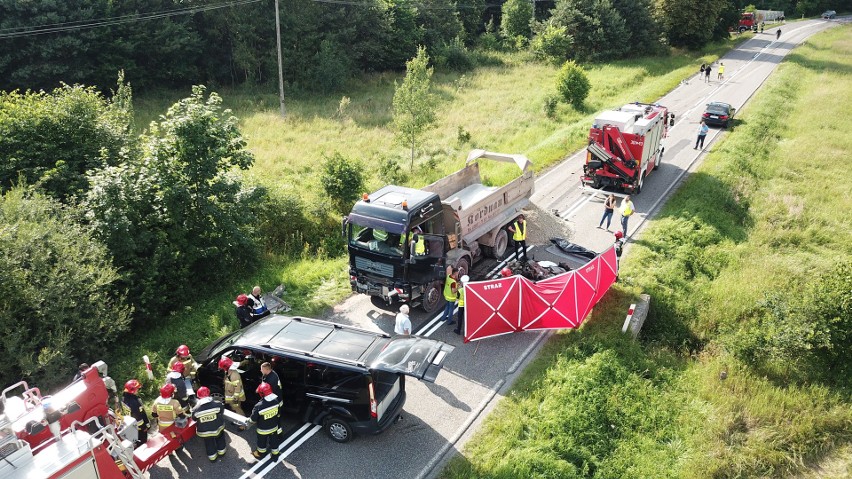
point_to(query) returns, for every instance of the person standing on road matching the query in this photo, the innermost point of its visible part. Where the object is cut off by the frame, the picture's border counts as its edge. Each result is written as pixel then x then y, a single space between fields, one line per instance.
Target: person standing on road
pixel 266 413
pixel 460 328
pixel 519 235
pixel 703 129
pixel 701 71
pixel 627 211
pixel 721 71
pixel 403 322
pixel 778 34
pixel 609 208
pixel 450 295
pixel 707 73
pixel 209 417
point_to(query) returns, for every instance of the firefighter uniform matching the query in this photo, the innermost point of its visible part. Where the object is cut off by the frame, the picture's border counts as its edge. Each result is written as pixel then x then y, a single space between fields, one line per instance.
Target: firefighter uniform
pixel 189 365
pixel 210 422
pixel 234 393
pixel 266 414
pixel 166 410
pixel 137 411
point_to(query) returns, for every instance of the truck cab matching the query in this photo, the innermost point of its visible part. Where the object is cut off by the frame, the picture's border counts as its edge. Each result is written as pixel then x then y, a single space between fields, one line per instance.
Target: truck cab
pixel 398 244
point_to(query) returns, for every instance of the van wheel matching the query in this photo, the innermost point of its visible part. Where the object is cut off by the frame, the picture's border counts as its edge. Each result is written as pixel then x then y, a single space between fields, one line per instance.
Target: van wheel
pixel 338 429
pixel 501 242
pixel 432 298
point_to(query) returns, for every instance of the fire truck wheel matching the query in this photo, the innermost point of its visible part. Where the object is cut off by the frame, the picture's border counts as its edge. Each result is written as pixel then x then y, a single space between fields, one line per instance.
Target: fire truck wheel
pixel 659 160
pixel 433 297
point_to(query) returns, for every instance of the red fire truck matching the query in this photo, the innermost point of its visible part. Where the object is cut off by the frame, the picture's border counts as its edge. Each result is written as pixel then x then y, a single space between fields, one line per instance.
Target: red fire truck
pixel 72 434
pixel 625 145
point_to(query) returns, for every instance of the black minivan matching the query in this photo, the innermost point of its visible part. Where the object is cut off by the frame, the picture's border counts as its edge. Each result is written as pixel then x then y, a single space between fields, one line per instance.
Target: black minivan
pixel 350 380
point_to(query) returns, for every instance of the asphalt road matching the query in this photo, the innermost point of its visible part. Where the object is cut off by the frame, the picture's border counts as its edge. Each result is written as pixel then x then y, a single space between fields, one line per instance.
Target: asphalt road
pixel 440 417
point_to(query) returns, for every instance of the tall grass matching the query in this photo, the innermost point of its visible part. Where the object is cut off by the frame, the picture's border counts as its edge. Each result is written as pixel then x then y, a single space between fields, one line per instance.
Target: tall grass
pixel 765 213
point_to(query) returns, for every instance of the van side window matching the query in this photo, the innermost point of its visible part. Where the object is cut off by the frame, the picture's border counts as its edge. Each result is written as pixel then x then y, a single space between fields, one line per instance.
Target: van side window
pixel 290 371
pixel 330 377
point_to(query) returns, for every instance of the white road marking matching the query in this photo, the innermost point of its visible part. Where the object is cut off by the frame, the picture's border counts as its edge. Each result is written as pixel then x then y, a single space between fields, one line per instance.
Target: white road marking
pixel 289 450
pixel 252 472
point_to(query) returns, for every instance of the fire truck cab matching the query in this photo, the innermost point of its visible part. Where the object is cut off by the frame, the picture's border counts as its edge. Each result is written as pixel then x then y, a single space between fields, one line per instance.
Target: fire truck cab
pixel 625 145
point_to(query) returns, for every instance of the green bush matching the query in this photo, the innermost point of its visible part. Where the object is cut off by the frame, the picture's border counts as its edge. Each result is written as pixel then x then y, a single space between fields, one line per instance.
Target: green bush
pixel 572 84
pixel 331 68
pixel 453 55
pixel 390 171
pixel 60 303
pixel 342 180
pixel 516 20
pixel 552 44
pixel 549 106
pixel 490 39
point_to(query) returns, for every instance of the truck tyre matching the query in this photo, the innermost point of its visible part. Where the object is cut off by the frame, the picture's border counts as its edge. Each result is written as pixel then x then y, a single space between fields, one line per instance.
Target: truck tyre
pixel 743 29
pixel 433 297
pixel 463 266
pixel 659 160
pixel 638 188
pixel 501 242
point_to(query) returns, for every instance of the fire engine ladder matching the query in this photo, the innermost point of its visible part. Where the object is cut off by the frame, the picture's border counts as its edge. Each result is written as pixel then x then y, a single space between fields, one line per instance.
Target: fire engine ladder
pixel 115 449
pixel 601 154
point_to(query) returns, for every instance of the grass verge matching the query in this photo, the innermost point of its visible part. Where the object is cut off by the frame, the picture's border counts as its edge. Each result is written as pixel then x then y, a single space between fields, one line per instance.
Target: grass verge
pixel 764 213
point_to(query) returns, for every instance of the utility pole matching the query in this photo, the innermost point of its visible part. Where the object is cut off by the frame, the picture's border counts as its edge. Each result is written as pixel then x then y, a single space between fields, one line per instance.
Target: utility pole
pixel 280 68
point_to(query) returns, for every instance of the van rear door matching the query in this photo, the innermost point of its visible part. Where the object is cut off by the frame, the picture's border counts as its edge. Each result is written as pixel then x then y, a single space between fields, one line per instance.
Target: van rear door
pixel 417 357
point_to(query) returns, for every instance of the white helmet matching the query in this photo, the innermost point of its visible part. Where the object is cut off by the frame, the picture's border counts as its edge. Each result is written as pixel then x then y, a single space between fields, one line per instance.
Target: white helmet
pixel 465 279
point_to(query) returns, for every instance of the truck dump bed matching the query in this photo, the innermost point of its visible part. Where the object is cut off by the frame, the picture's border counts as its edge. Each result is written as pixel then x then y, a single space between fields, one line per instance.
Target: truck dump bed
pixel 482 208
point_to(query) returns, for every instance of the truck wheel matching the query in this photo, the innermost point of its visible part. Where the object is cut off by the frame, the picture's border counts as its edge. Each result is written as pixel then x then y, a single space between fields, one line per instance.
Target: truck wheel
pixel 501 242
pixel 338 429
pixel 742 29
pixel 659 160
pixel 638 188
pixel 433 297
pixel 463 266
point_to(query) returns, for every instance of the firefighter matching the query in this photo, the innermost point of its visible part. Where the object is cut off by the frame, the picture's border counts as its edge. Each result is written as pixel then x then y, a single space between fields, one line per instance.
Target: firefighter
pixel 189 365
pixel 234 393
pixel 266 413
pixel 112 388
pixel 519 235
pixel 137 410
pixel 177 378
pixel 243 311
pixel 166 408
pixel 209 417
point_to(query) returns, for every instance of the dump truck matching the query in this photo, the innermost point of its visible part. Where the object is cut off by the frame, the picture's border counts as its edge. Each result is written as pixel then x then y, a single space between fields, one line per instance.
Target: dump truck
pixel 400 240
pixel 625 145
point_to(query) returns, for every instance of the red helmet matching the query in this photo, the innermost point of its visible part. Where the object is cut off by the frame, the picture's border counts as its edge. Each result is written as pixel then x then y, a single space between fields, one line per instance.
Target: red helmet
pixel 167 391
pixel 242 300
pixel 506 272
pixel 619 235
pixel 182 350
pixel 133 386
pixel 264 389
pixel 225 364
pixel 203 392
pixel 179 367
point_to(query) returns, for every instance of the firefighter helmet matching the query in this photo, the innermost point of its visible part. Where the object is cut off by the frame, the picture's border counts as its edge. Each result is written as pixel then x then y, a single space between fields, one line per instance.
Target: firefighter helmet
pixel 179 367
pixel 242 300
pixel 203 392
pixel 167 391
pixel 225 364
pixel 619 235
pixel 264 389
pixel 506 272
pixel 182 350
pixel 133 386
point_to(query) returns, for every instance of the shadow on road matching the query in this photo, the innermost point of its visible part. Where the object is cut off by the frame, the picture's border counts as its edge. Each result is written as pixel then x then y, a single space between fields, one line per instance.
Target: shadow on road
pixel 447 396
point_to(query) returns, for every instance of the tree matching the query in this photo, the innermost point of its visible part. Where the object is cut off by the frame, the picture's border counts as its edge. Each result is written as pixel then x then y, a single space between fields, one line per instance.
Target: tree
pixel 517 19
pixel 178 215
pixel 682 26
pixel 59 299
pixel 413 106
pixel 643 30
pixel 598 30
pixel 572 84
pixel 342 180
pixel 552 43
pixel 52 140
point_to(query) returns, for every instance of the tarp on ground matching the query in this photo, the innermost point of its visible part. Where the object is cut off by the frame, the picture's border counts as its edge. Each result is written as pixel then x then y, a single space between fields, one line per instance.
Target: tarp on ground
pixel 514 304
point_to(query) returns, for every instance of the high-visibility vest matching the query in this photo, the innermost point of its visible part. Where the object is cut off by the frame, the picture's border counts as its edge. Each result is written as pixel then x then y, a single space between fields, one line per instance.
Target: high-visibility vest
pixel 449 295
pixel 166 410
pixel 520 232
pixel 628 208
pixel 419 245
pixel 380 235
pixel 461 297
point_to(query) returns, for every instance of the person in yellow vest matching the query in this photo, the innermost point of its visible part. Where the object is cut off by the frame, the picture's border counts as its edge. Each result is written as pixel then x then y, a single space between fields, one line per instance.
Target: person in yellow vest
pixel 460 328
pixel 418 242
pixel 627 211
pixel 721 71
pixel 166 408
pixel 182 355
pixel 519 235
pixel 450 294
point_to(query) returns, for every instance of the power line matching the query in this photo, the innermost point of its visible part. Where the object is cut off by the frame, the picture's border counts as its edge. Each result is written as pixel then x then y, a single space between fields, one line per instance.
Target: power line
pixel 110 21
